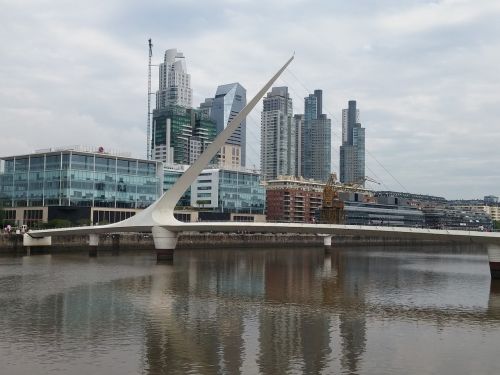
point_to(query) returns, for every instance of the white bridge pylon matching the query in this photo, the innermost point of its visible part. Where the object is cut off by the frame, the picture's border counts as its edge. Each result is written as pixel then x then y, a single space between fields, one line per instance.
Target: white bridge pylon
pixel 160 221
pixel 158 218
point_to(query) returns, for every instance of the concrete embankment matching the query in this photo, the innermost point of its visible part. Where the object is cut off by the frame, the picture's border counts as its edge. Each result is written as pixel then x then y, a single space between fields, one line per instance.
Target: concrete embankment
pixel 138 242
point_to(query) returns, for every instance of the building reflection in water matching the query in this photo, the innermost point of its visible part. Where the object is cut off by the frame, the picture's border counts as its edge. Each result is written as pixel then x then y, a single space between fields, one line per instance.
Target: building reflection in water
pixel 213 302
pixel 230 311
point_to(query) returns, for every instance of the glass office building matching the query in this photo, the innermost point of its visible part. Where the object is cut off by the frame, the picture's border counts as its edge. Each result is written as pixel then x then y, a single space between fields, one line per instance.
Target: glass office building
pixel 171 174
pixel 316 138
pixel 229 191
pixel 352 151
pixel 241 192
pixel 359 213
pixel 75 178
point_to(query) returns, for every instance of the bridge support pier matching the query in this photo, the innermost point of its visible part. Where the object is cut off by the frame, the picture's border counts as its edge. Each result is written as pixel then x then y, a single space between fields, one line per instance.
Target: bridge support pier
pixel 494 259
pixel 93 244
pixel 165 243
pixel 327 242
pixel 29 242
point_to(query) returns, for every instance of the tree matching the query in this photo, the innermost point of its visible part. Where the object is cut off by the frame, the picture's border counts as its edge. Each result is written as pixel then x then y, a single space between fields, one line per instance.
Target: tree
pixel 496 225
pixel 58 223
pixel 83 222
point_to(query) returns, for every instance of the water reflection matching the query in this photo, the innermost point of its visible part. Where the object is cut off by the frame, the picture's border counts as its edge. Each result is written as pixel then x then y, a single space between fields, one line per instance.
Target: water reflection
pixel 245 311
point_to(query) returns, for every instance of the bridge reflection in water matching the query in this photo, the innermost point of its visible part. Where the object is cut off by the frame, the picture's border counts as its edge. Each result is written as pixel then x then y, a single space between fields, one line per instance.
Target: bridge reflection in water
pixel 247 311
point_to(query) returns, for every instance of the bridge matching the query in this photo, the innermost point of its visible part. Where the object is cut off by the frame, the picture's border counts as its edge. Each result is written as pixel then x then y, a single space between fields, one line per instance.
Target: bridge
pixel 160 221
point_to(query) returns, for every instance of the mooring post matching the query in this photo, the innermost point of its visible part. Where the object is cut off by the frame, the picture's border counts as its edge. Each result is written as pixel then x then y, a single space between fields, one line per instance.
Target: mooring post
pixel 93 244
pixel 165 243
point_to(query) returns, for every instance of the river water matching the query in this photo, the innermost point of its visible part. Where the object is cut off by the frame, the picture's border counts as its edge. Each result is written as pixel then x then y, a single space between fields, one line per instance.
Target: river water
pixel 269 311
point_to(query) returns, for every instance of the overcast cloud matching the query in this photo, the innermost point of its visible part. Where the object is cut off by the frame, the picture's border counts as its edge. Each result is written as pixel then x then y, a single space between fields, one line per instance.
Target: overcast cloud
pixel 425 75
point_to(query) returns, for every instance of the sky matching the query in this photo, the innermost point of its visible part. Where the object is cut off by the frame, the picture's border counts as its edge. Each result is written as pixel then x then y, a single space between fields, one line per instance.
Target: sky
pixel 425 74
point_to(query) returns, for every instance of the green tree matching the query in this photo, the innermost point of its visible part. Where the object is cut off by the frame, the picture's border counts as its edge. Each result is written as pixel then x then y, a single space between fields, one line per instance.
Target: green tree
pixel 59 223
pixel 84 222
pixel 496 225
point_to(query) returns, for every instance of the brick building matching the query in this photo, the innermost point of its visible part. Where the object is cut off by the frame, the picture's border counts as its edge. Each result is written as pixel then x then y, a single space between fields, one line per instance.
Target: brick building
pixel 294 200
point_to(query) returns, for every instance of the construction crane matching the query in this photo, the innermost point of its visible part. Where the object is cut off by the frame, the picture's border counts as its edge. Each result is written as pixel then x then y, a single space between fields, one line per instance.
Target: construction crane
pixel 361 182
pixel 148 132
pixel 332 210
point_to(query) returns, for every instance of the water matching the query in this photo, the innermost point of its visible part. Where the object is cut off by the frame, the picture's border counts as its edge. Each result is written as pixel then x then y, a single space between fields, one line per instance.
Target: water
pixel 287 311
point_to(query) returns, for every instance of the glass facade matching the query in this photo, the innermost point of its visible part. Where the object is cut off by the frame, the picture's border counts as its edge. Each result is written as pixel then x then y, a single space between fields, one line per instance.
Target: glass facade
pixel 241 192
pixel 170 177
pixel 278 136
pixel 70 178
pixel 315 140
pixel 229 100
pixel 352 151
pixel 357 213
pixel 185 124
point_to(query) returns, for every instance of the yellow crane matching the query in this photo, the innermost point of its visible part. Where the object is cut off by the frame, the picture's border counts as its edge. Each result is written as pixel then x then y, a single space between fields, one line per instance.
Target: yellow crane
pixel 360 183
pixel 332 211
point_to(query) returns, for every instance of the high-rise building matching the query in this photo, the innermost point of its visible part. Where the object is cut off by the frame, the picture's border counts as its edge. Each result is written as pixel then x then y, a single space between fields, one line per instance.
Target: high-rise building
pixel 345 116
pixel 206 107
pixel 180 134
pixel 352 151
pixel 298 124
pixel 204 132
pixel 172 130
pixel 174 82
pixel 229 100
pixel 315 140
pixel 278 137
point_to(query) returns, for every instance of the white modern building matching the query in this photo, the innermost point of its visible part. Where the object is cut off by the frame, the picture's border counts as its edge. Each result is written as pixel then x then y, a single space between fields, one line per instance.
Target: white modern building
pixel 174 81
pixel 229 190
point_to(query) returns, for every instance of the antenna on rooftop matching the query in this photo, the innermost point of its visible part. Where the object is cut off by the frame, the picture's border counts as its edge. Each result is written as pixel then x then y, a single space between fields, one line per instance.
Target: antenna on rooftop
pixel 148 133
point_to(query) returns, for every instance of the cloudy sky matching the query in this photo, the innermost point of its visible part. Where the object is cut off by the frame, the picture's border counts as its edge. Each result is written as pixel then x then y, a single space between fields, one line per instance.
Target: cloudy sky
pixel 426 75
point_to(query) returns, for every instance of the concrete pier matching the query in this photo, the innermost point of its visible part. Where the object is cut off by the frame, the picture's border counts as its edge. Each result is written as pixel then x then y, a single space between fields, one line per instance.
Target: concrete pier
pixel 494 260
pixel 327 243
pixel 29 242
pixel 93 244
pixel 165 243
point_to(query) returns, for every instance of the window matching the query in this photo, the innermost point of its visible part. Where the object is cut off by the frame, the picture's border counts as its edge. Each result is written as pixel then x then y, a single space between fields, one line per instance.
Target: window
pixel 22 165
pixel 36 163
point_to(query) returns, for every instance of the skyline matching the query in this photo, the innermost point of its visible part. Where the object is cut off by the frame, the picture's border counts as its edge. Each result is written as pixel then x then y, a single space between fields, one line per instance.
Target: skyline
pixel 79 72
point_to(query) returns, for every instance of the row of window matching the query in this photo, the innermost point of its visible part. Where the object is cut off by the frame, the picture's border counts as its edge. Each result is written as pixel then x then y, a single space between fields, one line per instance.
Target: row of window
pixel 80 162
